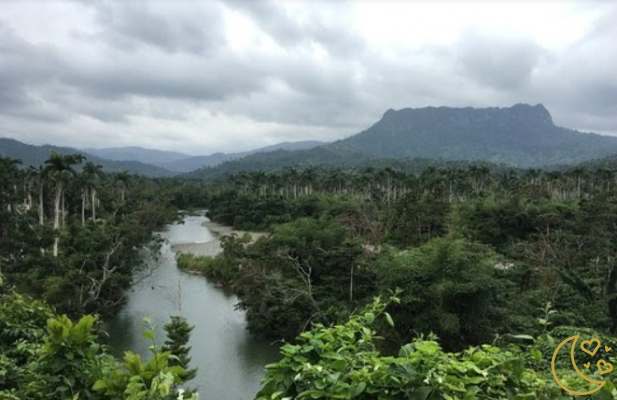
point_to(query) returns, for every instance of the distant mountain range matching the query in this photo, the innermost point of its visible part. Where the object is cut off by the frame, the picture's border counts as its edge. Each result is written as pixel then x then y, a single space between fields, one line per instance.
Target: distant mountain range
pixel 36 155
pixel 139 160
pixel 520 136
pixel 136 153
pixel 179 162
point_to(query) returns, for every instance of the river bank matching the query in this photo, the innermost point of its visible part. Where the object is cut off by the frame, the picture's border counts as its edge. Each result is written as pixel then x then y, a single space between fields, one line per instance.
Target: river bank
pixel 212 248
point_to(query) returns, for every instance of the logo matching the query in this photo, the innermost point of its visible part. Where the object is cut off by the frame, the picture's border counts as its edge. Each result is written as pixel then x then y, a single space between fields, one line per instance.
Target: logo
pixel 590 347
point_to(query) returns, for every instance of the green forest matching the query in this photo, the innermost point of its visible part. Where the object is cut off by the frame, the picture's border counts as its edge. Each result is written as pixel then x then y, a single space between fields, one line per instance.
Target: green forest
pixel 449 283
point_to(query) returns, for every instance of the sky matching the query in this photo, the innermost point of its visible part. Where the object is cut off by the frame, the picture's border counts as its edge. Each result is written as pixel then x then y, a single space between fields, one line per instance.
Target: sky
pixel 200 77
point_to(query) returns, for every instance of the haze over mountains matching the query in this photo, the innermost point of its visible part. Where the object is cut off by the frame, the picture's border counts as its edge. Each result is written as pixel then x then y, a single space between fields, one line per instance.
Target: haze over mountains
pixel 519 136
pixel 36 155
pixel 150 162
pixel 178 162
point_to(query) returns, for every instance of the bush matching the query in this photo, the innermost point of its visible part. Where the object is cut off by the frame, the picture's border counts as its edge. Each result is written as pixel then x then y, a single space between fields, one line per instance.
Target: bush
pixel 342 362
pixel 220 269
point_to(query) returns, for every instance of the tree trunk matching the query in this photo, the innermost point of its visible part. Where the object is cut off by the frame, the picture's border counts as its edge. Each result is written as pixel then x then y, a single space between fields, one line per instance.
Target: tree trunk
pixel 351 284
pixel 41 208
pixel 63 208
pixel 57 201
pixel 83 207
pixel 93 193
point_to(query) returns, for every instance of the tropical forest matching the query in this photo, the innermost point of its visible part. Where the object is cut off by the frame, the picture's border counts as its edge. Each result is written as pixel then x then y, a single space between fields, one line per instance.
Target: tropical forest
pixel 308 200
pixel 456 282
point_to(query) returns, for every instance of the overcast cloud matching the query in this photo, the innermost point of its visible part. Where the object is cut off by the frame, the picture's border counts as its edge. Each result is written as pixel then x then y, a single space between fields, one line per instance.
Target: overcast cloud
pixel 202 77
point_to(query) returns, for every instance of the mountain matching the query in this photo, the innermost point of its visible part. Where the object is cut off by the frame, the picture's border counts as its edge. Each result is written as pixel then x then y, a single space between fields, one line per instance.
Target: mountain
pixel 519 136
pixel 323 156
pixel 179 162
pixel 522 136
pixel 36 155
pixel 136 153
pixel 193 163
pixel 291 146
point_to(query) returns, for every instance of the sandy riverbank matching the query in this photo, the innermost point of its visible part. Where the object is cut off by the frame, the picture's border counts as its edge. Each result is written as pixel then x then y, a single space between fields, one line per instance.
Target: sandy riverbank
pixel 224 230
pixel 212 248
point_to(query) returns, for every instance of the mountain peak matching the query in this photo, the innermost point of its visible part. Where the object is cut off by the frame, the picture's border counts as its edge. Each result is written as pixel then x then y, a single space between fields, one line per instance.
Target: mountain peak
pixel 538 113
pixel 522 134
pixel 518 114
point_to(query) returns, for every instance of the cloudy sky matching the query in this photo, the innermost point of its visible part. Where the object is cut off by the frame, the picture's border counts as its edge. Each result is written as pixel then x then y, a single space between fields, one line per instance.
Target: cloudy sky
pixel 207 76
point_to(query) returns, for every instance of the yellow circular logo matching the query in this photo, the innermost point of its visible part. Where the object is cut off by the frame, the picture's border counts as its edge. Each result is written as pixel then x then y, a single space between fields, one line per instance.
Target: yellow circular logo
pixel 590 347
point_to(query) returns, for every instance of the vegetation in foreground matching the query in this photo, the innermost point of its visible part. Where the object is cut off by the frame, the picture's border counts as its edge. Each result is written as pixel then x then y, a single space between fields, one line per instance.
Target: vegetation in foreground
pixel 44 355
pixel 344 362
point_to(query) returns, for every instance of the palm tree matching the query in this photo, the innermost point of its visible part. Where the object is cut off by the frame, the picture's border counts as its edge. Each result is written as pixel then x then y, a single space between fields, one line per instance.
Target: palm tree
pixel 8 181
pixel 58 168
pixel 92 175
pixel 123 179
pixel 39 177
pixel 308 179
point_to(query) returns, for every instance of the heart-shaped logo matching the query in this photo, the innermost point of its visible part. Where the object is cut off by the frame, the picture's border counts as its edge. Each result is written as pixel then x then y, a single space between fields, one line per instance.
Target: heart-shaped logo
pixel 587 365
pixel 607 348
pixel 589 342
pixel 609 367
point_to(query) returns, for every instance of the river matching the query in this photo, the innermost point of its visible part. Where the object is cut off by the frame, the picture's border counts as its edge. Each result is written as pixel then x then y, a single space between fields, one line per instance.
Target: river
pixel 230 361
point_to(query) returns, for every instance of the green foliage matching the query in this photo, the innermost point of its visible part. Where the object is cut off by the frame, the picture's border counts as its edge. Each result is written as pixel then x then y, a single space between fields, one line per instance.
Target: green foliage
pixel 50 250
pixel 549 234
pixel 502 222
pixel 450 287
pixel 67 364
pixel 22 332
pixel 307 270
pixel 224 268
pixel 418 218
pixel 219 269
pixel 342 362
pixel 43 356
pixel 178 335
pixel 547 343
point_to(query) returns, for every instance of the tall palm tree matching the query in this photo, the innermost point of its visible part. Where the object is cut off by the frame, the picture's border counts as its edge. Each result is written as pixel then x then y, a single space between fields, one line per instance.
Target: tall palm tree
pixel 8 181
pixel 308 178
pixel 123 179
pixel 39 177
pixel 59 168
pixel 92 175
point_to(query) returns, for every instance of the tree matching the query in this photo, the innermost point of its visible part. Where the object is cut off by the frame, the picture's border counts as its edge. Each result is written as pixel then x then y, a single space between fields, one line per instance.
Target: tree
pixel 39 177
pixel 59 168
pixel 123 180
pixel 343 361
pixel 449 287
pixel 178 335
pixel 92 174
pixel 46 356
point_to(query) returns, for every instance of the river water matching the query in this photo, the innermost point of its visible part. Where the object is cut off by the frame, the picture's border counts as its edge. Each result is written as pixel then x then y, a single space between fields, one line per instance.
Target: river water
pixel 230 361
